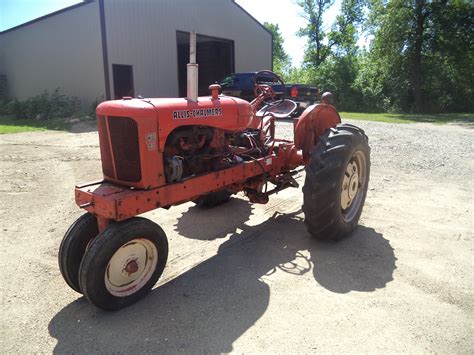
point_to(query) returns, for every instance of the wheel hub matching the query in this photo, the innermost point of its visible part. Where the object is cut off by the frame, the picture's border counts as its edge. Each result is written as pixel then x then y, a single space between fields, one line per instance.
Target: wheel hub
pixel 350 185
pixel 130 268
pixel 353 186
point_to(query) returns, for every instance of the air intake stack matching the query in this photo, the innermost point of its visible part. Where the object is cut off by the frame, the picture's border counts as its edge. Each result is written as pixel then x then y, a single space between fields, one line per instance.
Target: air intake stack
pixel 192 80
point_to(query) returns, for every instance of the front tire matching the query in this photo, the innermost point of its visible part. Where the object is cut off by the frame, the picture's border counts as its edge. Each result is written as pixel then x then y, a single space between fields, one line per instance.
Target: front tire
pixel 73 246
pixel 336 182
pixel 123 263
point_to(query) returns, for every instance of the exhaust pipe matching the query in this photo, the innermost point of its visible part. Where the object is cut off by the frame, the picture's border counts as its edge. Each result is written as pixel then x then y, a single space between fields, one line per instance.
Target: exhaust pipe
pixel 192 79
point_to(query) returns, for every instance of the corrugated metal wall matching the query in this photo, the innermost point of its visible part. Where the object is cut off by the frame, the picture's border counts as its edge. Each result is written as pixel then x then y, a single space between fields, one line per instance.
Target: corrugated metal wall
pixel 63 50
pixel 2 54
pixel 142 33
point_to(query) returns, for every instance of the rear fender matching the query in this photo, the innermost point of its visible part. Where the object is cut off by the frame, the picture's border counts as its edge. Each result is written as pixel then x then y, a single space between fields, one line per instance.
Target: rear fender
pixel 313 122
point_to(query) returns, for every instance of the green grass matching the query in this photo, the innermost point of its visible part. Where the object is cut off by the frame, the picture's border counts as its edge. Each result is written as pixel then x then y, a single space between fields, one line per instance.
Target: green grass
pixel 440 118
pixel 15 125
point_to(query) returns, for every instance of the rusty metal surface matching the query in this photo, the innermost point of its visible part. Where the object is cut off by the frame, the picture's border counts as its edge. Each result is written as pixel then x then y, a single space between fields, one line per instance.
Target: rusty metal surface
pixel 312 124
pixel 118 203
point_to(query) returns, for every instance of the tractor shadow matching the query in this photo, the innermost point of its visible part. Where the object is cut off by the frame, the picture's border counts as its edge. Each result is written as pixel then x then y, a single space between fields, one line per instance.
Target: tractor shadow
pixel 212 223
pixel 207 308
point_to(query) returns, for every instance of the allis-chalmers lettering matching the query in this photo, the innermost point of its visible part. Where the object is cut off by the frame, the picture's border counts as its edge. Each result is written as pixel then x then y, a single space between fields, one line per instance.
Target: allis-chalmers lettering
pixel 197 113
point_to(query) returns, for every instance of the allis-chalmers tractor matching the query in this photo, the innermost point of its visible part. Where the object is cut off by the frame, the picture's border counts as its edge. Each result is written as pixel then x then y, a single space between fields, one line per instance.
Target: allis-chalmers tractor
pixel 157 153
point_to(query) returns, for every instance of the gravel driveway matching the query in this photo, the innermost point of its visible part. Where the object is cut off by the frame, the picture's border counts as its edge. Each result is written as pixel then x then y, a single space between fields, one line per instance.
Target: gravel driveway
pixel 248 278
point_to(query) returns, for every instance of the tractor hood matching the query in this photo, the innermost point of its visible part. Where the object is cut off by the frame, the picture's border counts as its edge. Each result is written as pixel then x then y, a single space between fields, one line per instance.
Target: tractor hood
pixel 224 112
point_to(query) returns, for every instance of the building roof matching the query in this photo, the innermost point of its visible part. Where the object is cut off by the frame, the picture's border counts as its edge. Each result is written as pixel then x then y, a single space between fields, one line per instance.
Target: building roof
pixel 84 2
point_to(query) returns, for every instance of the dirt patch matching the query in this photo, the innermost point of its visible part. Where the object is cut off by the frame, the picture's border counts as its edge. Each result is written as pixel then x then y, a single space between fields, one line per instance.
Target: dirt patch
pixel 248 278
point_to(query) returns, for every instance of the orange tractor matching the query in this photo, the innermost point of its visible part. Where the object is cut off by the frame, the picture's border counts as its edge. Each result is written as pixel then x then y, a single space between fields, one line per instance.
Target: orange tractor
pixel 157 153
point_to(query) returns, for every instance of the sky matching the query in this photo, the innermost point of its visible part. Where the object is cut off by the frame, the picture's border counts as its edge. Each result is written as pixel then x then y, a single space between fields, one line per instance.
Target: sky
pixel 16 12
pixel 285 13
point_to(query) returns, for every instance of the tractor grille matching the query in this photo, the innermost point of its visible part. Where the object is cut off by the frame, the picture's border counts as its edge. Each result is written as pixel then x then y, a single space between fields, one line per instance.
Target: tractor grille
pixel 105 153
pixel 119 148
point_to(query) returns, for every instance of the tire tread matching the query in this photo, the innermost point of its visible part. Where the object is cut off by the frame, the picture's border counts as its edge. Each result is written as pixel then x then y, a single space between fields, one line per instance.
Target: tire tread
pixel 321 191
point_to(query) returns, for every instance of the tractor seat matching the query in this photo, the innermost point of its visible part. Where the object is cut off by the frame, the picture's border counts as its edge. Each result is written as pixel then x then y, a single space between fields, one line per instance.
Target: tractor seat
pixel 279 109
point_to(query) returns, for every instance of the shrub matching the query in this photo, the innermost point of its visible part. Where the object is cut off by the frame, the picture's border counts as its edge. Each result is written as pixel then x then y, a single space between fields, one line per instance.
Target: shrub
pixel 43 106
pixel 94 104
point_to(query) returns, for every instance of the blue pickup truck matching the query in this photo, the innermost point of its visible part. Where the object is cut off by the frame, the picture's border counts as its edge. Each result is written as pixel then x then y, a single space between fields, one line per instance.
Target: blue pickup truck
pixel 242 85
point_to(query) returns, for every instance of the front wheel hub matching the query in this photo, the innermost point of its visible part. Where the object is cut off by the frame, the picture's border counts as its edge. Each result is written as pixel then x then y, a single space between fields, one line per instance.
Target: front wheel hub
pixel 131 267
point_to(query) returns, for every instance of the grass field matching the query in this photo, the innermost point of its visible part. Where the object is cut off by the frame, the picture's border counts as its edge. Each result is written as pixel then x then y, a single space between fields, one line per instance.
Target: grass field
pixel 440 118
pixel 14 125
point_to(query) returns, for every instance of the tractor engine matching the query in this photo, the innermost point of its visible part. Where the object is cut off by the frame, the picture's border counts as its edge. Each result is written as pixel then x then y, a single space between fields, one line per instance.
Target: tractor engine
pixel 193 150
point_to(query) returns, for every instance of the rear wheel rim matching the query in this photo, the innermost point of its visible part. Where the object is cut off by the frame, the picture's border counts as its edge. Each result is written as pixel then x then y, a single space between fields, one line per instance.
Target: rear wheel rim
pixel 353 184
pixel 131 267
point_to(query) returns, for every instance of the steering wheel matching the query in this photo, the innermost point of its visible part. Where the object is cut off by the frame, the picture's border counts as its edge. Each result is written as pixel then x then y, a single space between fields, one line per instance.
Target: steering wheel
pixel 265 94
pixel 265 88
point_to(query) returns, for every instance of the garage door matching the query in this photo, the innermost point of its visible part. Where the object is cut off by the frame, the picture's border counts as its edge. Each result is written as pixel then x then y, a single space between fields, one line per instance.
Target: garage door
pixel 215 57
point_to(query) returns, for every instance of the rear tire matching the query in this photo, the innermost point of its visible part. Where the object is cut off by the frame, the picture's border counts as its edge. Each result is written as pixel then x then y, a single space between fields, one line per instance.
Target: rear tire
pixel 73 247
pixel 123 263
pixel 336 182
pixel 213 199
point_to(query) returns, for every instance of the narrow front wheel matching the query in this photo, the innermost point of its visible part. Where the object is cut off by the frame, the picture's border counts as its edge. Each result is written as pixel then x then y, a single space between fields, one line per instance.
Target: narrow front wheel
pixel 73 246
pixel 123 263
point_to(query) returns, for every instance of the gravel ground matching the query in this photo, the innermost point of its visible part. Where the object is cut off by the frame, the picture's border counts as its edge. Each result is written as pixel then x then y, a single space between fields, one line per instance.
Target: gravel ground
pixel 446 151
pixel 248 278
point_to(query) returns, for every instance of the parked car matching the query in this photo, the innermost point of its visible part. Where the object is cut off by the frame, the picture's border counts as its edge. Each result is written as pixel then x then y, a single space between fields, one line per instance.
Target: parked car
pixel 242 85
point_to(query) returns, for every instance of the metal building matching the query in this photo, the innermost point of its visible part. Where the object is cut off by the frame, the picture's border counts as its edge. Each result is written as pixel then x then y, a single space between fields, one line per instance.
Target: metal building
pixel 116 48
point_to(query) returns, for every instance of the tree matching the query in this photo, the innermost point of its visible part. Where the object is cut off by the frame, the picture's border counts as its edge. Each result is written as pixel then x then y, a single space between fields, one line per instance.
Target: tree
pixel 281 60
pixel 345 31
pixel 422 54
pixel 331 58
pixel 421 58
pixel 317 51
